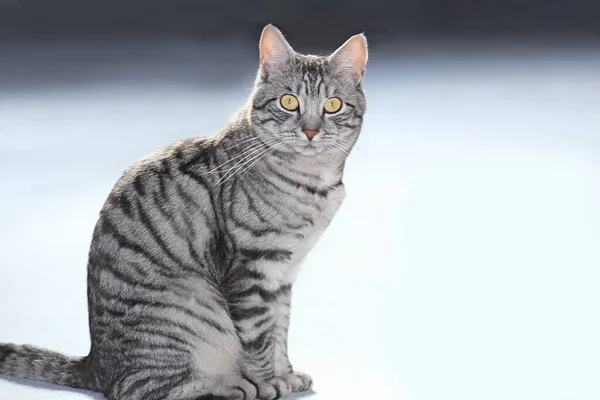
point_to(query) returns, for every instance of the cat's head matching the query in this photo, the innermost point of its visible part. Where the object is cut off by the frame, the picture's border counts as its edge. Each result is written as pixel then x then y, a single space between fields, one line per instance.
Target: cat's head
pixel 309 104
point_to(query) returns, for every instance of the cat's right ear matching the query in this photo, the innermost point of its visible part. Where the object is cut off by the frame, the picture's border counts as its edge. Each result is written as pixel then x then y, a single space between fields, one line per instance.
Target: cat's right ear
pixel 275 51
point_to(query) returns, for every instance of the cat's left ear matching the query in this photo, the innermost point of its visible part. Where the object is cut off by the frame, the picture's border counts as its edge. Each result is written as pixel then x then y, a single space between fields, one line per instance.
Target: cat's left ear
pixel 275 51
pixel 351 58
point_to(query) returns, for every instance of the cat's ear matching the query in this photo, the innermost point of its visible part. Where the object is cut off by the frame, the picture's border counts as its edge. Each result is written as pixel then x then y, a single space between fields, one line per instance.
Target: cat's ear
pixel 275 51
pixel 351 58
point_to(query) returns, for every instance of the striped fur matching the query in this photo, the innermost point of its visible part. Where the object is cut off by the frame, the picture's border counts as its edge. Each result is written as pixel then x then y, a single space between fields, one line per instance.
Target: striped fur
pixel 196 249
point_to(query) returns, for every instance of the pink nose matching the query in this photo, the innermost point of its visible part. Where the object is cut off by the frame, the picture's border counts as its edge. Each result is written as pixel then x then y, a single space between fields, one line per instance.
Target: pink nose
pixel 310 134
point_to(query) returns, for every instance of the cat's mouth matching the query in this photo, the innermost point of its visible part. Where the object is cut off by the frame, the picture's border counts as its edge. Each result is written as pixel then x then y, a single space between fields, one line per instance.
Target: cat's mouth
pixel 311 148
pixel 305 147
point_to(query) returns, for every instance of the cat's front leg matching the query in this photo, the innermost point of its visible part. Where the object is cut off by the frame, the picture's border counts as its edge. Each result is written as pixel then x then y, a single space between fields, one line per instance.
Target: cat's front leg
pixel 297 381
pixel 262 318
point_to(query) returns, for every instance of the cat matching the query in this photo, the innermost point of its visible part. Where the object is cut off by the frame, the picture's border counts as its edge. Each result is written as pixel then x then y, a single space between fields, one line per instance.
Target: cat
pixel 196 248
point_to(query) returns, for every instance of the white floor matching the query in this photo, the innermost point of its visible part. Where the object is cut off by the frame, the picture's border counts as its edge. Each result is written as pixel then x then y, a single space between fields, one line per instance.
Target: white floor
pixel 464 264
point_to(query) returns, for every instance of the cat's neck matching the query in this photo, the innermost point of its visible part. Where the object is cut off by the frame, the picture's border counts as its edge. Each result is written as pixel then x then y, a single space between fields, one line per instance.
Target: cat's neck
pixel 319 171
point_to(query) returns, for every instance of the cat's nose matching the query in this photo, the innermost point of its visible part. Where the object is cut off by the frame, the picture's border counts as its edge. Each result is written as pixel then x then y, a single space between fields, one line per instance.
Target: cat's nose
pixel 310 134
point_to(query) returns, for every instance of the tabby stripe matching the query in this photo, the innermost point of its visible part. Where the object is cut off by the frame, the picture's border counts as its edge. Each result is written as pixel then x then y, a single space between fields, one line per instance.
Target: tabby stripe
pixel 354 110
pixel 262 196
pixel 162 188
pixel 138 185
pixel 186 197
pixel 264 104
pixel 240 223
pixel 154 320
pixel 276 210
pixel 144 382
pixel 127 304
pixel 167 216
pixel 309 189
pixel 266 295
pixel 153 331
pixel 109 229
pixel 276 187
pixel 204 154
pixel 268 119
pixel 278 255
pixel 188 201
pixel 198 179
pixel 259 343
pixel 135 281
pixel 243 314
pixel 166 306
pixel 123 202
pixel 156 354
pixel 261 323
pixel 252 204
pixel 221 225
pixel 116 314
pixel 349 126
pixel 195 255
pixel 147 222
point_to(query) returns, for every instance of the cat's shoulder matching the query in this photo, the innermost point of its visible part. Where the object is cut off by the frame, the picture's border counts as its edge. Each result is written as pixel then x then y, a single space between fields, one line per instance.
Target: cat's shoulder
pixel 166 162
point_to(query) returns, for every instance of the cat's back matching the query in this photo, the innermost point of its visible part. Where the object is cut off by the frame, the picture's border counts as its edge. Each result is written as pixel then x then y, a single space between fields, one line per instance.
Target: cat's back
pixel 165 163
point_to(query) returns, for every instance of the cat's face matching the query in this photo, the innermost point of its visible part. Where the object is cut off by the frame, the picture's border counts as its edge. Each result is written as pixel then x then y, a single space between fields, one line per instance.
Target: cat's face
pixel 307 104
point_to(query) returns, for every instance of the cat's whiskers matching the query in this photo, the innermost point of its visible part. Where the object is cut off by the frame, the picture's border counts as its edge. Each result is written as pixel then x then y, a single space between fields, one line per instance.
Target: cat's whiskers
pixel 252 152
pixel 234 171
pixel 249 151
pixel 340 148
pixel 346 142
pixel 240 164
pixel 274 148
pixel 243 140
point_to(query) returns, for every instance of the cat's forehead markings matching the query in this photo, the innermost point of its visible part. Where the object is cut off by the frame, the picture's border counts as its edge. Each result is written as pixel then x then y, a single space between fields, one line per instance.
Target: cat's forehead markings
pixel 312 67
pixel 312 70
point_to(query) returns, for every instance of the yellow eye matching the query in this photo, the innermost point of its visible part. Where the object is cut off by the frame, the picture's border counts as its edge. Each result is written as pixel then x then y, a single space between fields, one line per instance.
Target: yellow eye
pixel 289 102
pixel 333 105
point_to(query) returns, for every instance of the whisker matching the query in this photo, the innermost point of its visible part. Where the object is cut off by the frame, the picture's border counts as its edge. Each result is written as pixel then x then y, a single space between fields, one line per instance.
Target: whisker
pixel 340 148
pixel 240 141
pixel 351 140
pixel 232 172
pixel 347 143
pixel 249 151
pixel 261 158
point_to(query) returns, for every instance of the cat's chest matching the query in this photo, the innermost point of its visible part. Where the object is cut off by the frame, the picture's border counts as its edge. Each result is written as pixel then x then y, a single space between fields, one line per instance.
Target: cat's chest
pixel 287 226
pixel 299 242
pixel 308 216
pixel 327 207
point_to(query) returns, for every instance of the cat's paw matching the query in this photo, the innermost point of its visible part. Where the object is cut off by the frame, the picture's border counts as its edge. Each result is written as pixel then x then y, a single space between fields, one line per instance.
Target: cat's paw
pixel 230 389
pixel 299 381
pixel 281 386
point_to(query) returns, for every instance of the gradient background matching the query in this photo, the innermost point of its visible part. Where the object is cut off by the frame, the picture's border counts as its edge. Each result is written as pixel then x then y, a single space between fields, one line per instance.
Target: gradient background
pixel 465 262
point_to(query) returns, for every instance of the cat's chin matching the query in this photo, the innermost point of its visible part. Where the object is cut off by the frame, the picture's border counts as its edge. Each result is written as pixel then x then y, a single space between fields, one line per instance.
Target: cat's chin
pixel 310 151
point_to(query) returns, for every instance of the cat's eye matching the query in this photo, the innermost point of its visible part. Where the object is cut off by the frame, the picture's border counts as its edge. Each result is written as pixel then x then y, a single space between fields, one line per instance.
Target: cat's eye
pixel 289 102
pixel 333 105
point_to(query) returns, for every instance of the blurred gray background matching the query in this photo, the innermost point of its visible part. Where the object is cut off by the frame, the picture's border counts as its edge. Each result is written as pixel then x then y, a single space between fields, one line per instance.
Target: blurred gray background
pixel 310 21
pixel 69 41
pixel 464 261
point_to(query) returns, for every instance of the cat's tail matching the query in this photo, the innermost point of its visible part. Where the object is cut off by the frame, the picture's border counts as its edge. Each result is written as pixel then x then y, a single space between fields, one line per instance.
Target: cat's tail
pixel 28 362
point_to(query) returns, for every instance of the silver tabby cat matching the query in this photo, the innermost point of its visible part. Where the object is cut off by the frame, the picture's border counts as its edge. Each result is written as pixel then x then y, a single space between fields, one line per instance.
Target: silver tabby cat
pixel 195 251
